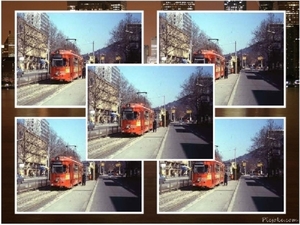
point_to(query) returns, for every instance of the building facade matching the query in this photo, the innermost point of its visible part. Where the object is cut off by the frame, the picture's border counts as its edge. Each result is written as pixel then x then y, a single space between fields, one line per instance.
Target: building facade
pixel 32 47
pixel 175 36
pixel 103 97
pixel 32 151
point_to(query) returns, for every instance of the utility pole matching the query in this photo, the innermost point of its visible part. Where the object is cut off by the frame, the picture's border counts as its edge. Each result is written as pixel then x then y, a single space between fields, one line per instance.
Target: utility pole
pixel 235 164
pixel 235 57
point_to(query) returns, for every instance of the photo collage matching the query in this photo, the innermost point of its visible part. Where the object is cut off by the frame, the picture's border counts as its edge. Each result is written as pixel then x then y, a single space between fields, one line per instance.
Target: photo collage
pixel 158 112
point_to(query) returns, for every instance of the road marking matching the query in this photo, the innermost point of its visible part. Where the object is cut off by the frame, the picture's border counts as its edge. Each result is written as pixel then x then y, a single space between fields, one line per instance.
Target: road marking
pixel 233 198
pixel 162 145
pixel 89 205
pixel 233 91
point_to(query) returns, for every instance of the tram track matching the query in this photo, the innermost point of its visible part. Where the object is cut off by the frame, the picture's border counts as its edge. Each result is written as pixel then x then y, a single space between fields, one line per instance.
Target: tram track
pixel 103 148
pixel 33 200
pixel 32 94
pixel 175 200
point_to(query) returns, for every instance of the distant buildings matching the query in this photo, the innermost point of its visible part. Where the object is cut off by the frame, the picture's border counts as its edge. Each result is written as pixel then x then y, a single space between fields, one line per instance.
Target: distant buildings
pixel 177 5
pixel 292 33
pixel 96 5
pixel 235 5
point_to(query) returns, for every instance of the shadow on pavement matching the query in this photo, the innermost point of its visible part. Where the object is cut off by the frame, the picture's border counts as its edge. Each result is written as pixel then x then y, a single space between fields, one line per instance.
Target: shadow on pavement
pixel 268 97
pixel 275 78
pixel 197 151
pixel 203 131
pixel 126 204
pixel 268 204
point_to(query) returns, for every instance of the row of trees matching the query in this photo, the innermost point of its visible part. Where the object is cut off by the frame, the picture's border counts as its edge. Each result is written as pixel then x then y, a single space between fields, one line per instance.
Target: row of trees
pixel 267 148
pixel 267 41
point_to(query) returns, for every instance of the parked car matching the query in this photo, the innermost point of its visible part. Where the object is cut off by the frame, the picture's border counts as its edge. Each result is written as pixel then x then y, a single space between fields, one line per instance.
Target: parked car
pixel 20 179
pixel 20 72
pixel 90 125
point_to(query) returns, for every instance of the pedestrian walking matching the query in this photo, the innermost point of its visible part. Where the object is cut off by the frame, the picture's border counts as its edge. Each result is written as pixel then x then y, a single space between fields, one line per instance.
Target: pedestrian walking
pixel 225 179
pixel 154 125
pixel 83 179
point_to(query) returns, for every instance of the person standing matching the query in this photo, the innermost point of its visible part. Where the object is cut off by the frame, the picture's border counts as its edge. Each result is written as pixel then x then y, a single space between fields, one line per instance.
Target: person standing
pixel 83 72
pixel 83 179
pixel 226 72
pixel 225 179
pixel 154 125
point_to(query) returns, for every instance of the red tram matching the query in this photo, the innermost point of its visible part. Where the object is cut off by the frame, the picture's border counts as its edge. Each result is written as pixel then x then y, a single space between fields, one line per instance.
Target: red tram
pixel 211 56
pixel 66 65
pixel 136 119
pixel 208 174
pixel 65 172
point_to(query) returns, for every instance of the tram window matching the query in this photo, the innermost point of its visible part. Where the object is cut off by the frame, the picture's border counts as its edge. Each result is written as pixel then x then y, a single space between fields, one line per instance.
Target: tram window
pixel 201 169
pixel 57 63
pixel 59 168
pixel 128 116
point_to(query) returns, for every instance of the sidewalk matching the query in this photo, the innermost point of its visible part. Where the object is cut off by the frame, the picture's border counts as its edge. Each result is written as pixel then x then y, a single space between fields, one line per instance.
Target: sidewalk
pixel 224 88
pixel 231 186
pixel 160 132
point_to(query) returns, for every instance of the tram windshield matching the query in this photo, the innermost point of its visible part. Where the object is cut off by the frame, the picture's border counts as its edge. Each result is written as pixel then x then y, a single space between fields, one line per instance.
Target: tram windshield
pixel 59 168
pixel 200 168
pixel 130 115
pixel 59 62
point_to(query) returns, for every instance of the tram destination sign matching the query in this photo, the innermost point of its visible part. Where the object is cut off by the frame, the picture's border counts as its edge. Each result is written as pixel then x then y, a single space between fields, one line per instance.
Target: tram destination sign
pixel 128 110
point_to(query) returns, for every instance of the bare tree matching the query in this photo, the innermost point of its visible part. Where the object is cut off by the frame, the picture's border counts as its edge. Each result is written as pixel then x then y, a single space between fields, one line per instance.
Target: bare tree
pixel 58 40
pixel 263 39
pixel 197 94
pixel 122 38
pixel 267 139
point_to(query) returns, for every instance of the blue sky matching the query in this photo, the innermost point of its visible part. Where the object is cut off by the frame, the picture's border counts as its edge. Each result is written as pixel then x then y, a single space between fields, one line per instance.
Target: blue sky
pixel 229 27
pixel 72 131
pixel 159 81
pixel 236 133
pixel 86 28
